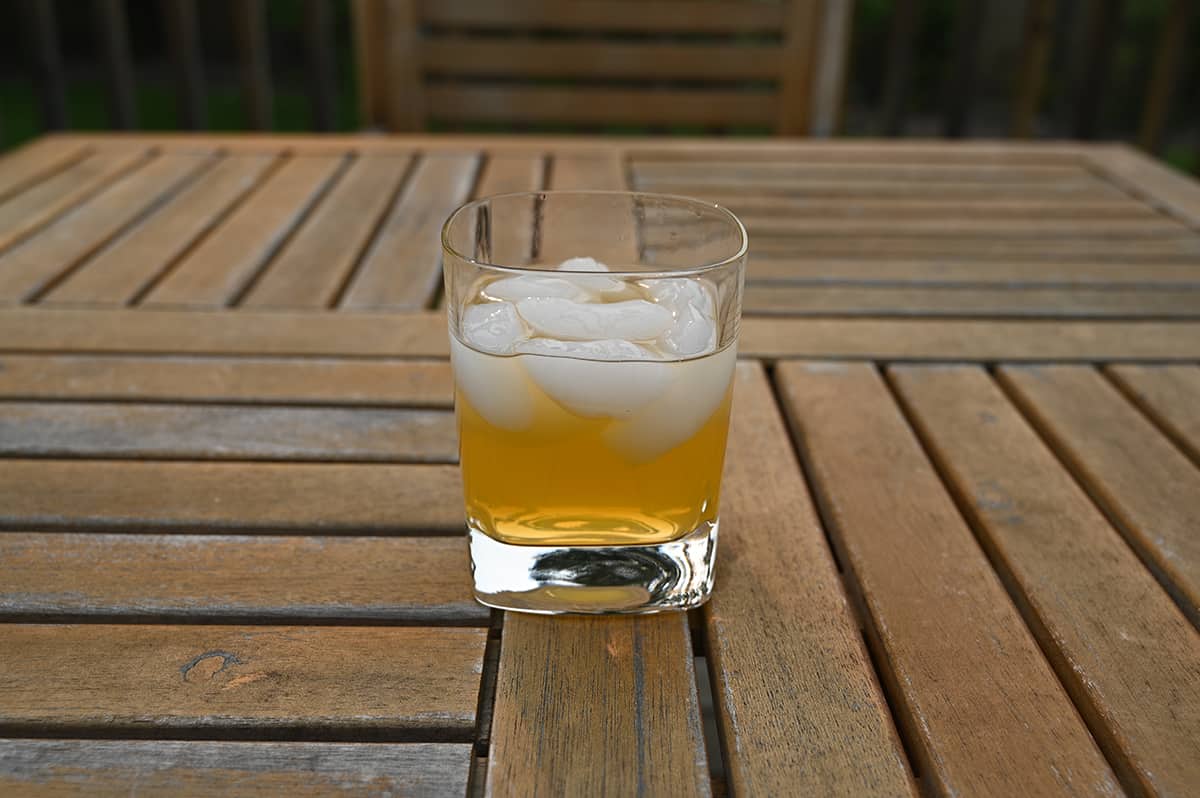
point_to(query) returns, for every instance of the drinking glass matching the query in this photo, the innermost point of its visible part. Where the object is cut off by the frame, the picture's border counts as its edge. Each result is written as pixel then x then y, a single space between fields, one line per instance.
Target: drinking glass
pixel 593 338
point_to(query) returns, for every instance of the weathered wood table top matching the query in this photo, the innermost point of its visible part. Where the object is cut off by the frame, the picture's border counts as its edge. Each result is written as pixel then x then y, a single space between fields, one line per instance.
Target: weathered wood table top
pixel 960 543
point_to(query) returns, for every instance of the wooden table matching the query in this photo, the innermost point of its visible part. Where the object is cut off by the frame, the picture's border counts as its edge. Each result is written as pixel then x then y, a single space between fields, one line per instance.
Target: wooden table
pixel 960 548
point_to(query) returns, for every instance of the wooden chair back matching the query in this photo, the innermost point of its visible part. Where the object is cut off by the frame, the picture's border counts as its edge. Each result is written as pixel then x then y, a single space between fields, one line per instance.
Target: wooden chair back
pixel 662 64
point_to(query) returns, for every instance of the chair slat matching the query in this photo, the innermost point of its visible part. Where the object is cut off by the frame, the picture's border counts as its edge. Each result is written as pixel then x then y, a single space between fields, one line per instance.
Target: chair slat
pixel 704 16
pixel 1031 74
pixel 1168 56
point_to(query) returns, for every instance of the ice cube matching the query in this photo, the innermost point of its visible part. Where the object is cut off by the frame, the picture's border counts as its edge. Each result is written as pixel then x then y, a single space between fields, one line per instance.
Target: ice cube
pixel 594 284
pixel 631 320
pixel 595 379
pixel 695 391
pixel 492 327
pixel 496 387
pixel 694 329
pixel 524 286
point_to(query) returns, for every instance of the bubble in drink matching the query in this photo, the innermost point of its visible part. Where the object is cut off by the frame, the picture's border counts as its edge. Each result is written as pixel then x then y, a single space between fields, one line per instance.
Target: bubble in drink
pixel 592 409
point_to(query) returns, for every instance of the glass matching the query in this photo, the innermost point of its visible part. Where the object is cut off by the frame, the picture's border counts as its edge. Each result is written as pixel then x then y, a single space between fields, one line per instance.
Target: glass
pixel 593 339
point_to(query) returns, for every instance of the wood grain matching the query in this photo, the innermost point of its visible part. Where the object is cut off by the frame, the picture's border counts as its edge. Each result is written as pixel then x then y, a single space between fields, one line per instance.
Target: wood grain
pixel 209 432
pixel 704 187
pixel 705 16
pixel 221 266
pixel 1150 180
pixel 850 171
pixel 1132 302
pixel 511 172
pixel 402 268
pixel 131 263
pixel 801 713
pixel 168 768
pixel 37 206
pixel 939 226
pixel 611 235
pixel 32 266
pixel 37 160
pixel 1170 395
pixel 954 648
pixel 1146 485
pixel 214 681
pixel 73 494
pixel 506 102
pixel 235 380
pixel 312 266
pixel 229 578
pixel 1123 650
pixel 596 706
pixel 1166 247
pixel 981 210
pixel 962 272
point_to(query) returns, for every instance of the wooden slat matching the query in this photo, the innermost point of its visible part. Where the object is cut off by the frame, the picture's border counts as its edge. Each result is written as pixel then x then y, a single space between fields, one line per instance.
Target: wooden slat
pixel 1170 395
pixel 830 52
pixel 504 174
pixel 478 56
pixel 167 767
pixel 1184 248
pixel 240 380
pixel 250 35
pixel 501 102
pixel 774 172
pixel 1155 182
pixel 77 494
pixel 802 713
pixel 949 271
pixel 118 62
pixel 1147 486
pixel 23 167
pixel 131 264
pixel 33 208
pixel 38 261
pixel 698 185
pixel 799 57
pixel 369 28
pixel 191 432
pixel 222 680
pixel 980 209
pixel 402 92
pixel 1126 654
pixel 322 64
pixel 224 578
pixel 221 266
pixel 183 40
pixel 954 649
pixel 1144 228
pixel 402 268
pixel 310 270
pixel 1031 74
pixel 1000 302
pixel 612 237
pixel 703 16
pixel 409 335
pixel 42 30
pixel 640 733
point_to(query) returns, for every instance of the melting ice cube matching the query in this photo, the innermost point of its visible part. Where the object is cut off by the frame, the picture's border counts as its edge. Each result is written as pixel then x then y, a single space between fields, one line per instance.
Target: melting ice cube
pixel 514 289
pixel 694 329
pixel 631 320
pixel 594 284
pixel 492 327
pixel 604 384
pixel 495 386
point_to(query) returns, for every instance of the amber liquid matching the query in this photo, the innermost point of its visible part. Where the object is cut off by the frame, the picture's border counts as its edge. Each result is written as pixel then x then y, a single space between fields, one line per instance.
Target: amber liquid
pixel 561 481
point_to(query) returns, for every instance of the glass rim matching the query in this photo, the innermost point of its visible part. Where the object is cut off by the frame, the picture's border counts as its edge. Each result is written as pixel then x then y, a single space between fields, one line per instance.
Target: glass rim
pixel 680 199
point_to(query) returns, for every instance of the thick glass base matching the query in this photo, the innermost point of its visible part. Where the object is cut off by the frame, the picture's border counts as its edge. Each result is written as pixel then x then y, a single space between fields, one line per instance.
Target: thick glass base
pixel 551 580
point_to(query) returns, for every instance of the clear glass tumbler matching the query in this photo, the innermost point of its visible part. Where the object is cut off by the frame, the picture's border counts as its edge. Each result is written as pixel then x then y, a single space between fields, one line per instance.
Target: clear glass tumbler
pixel 593 337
